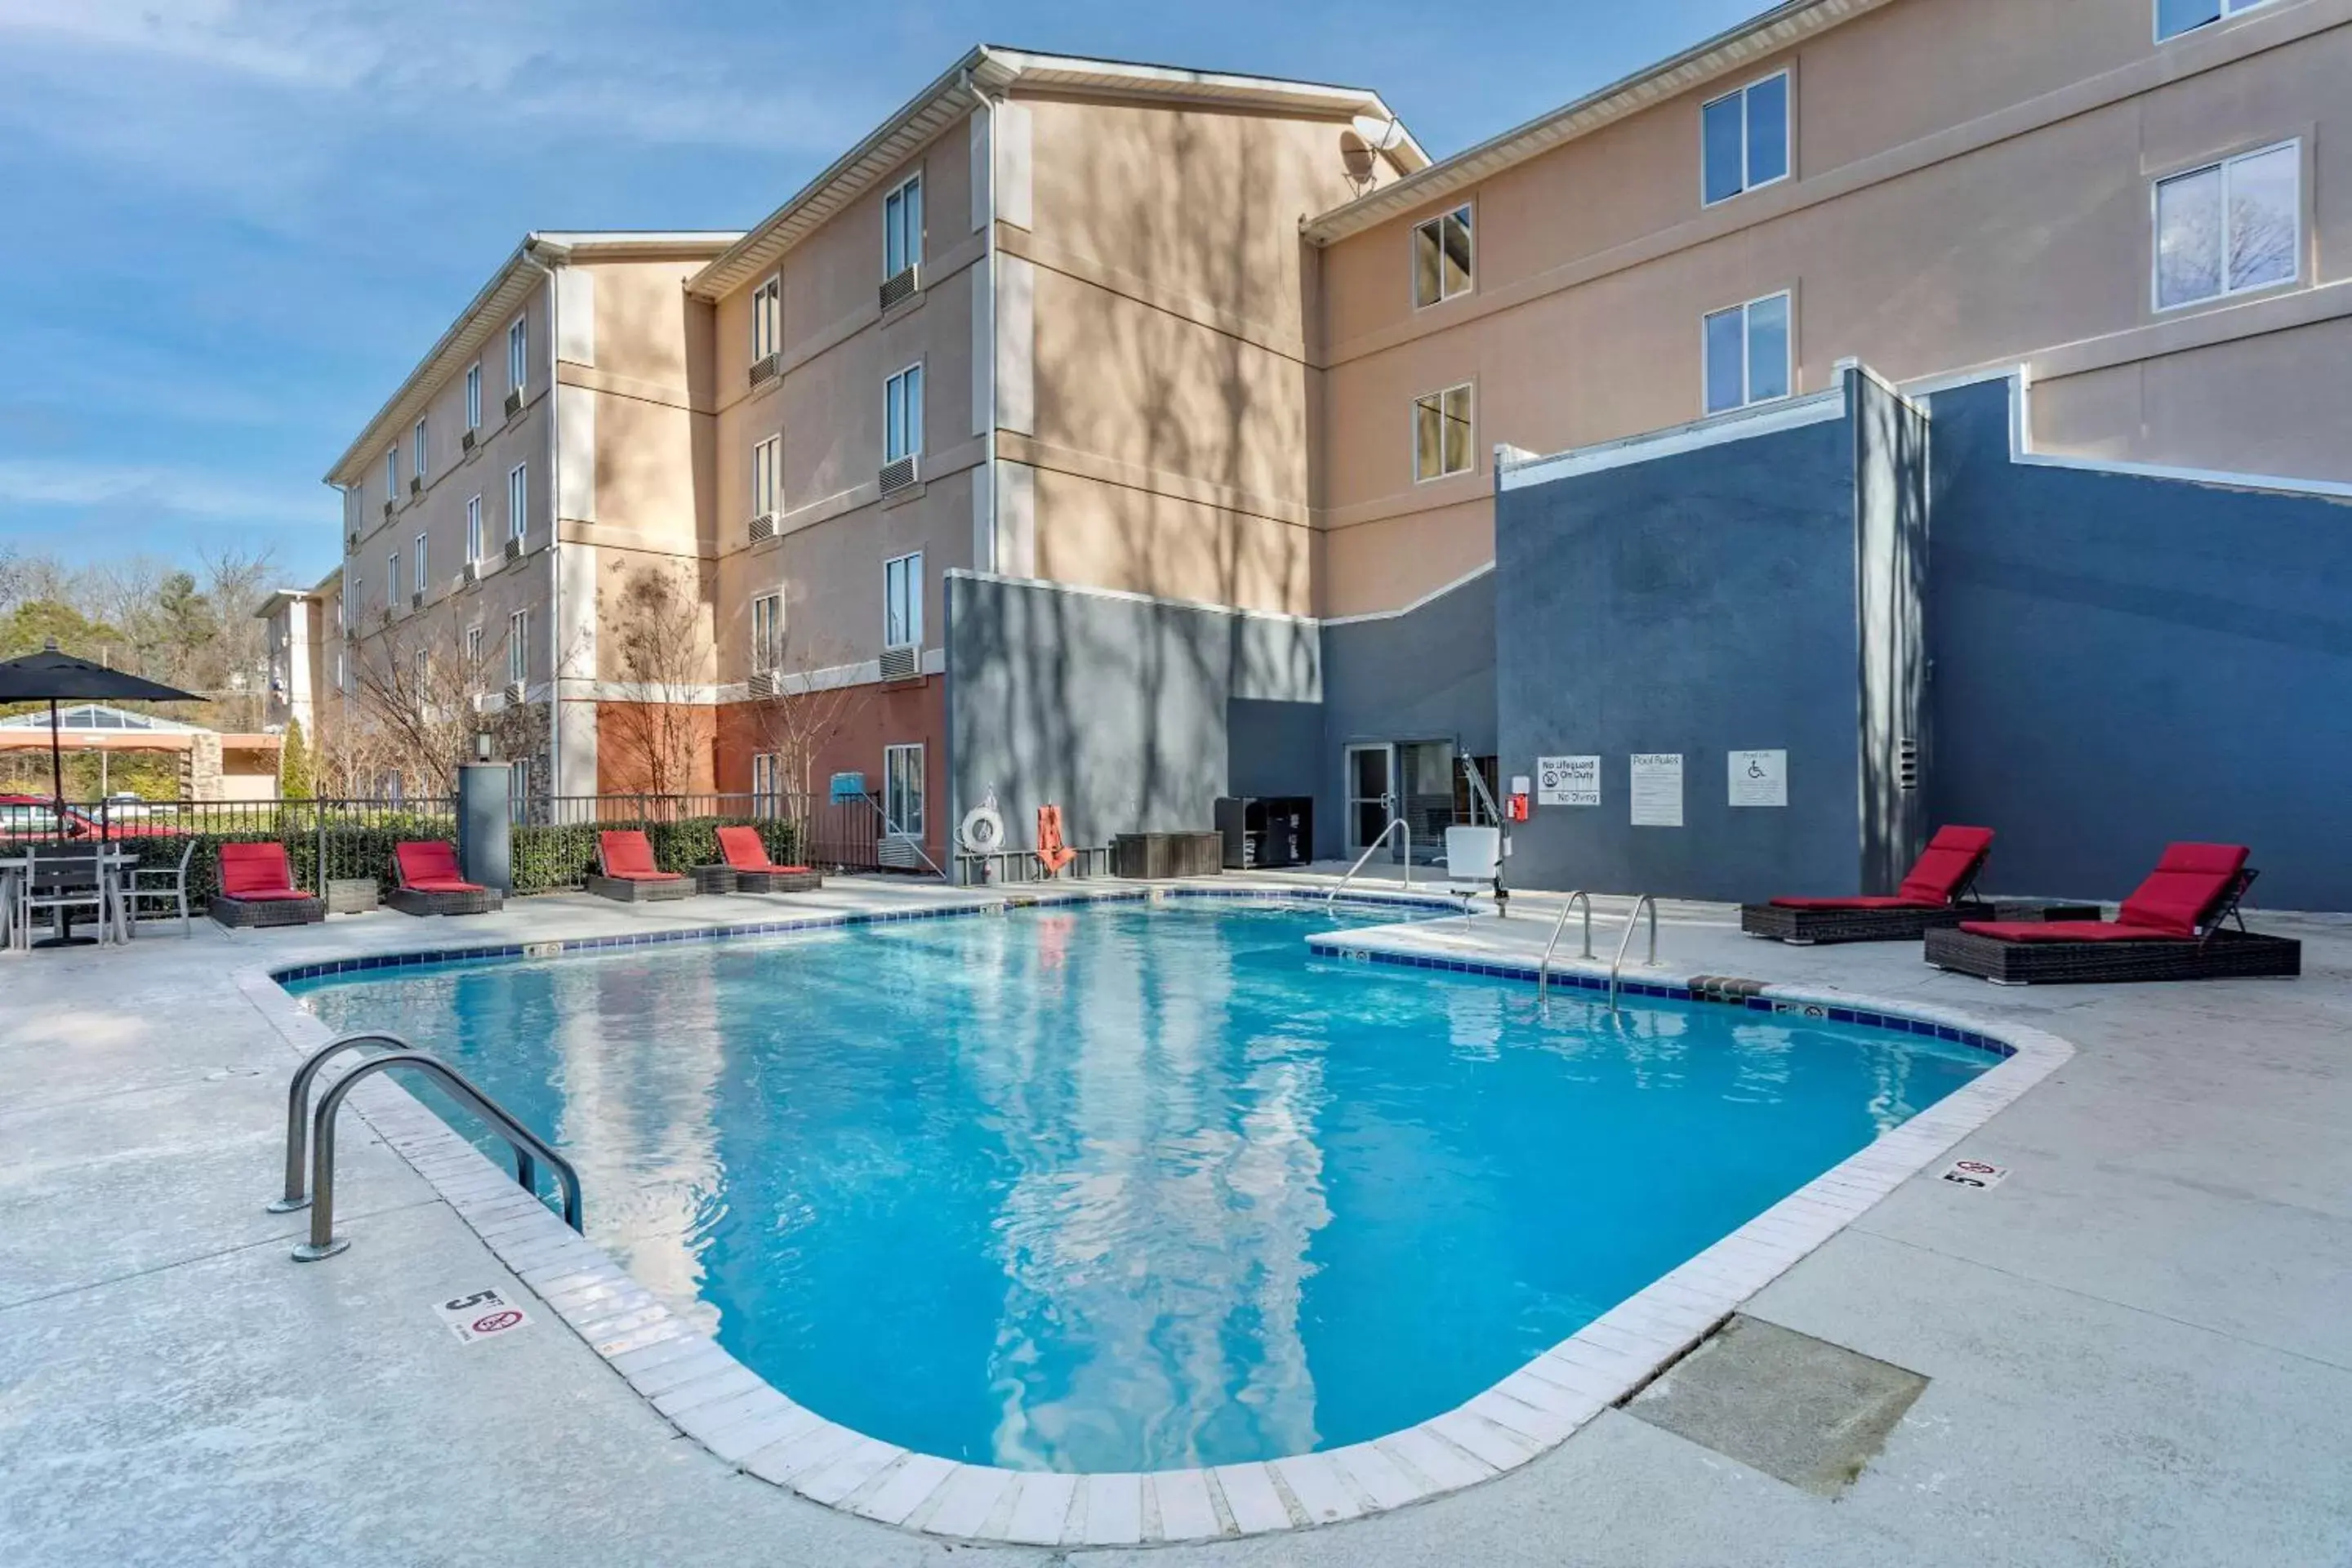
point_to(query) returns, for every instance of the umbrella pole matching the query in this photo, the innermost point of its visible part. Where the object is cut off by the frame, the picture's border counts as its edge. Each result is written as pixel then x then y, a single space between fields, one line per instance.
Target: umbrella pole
pixel 57 766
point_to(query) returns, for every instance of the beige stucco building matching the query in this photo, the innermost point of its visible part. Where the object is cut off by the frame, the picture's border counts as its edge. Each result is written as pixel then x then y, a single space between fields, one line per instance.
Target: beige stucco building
pixel 1228 340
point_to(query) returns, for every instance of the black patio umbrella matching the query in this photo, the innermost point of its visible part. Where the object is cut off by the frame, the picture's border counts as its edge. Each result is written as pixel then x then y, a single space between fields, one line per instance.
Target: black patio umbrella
pixel 54 677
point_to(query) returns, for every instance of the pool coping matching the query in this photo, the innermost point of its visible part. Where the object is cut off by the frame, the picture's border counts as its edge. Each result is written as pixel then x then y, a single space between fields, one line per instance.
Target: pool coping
pixel 707 1395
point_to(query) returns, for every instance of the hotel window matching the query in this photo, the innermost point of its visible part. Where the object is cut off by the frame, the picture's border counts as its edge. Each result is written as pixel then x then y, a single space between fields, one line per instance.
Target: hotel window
pixel 2230 227
pixel 1441 257
pixel 1747 353
pixel 767 783
pixel 902 790
pixel 2174 17
pixel 517 496
pixel 902 601
pixel 1746 139
pixel 519 647
pixel 420 563
pixel 518 789
pixel 902 414
pixel 765 459
pixel 767 318
pixel 473 653
pixel 473 528
pixel 518 353
pixel 417 454
pixel 902 227
pixel 391 473
pixel 1441 434
pixel 767 632
pixel 474 395
pixel 391 578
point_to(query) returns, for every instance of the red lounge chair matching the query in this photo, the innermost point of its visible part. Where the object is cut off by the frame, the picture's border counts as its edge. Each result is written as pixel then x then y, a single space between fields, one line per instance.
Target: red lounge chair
pixel 629 872
pixel 754 872
pixel 1935 894
pixel 2170 928
pixel 431 884
pixel 257 889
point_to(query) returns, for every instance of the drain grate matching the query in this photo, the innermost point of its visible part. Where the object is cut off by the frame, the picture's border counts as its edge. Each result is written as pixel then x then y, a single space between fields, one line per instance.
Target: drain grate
pixel 1800 1409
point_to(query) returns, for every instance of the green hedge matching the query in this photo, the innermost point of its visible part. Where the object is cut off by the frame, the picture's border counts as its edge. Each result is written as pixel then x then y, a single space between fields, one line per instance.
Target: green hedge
pixel 547 859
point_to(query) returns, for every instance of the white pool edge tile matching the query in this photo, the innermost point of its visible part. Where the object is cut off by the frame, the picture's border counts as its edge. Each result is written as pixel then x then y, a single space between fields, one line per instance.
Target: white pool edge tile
pixel 1516 1421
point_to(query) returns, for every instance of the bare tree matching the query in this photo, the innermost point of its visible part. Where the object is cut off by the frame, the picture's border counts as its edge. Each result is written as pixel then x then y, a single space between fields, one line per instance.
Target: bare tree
pixel 814 711
pixel 661 726
pixel 418 709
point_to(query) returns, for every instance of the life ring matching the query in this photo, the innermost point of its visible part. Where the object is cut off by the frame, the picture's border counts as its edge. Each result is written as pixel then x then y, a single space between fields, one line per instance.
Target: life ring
pixel 983 830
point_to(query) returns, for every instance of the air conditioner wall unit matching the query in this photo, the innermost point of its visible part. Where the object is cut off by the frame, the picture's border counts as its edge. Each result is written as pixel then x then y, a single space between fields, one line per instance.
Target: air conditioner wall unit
pixel 417 599
pixel 415 484
pixel 901 663
pixel 514 692
pixel 467 440
pixel 471 575
pixel 897 475
pixel 387 506
pixel 514 403
pixel 767 683
pixel 901 286
pixel 765 369
pixel 763 527
pixel 514 548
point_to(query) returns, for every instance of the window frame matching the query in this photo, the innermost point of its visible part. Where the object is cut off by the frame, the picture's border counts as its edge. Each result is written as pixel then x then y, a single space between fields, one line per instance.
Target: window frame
pixel 519 647
pixel 474 395
pixel 391 580
pixel 518 501
pixel 474 527
pixel 767 783
pixel 418 575
pixel 474 651
pixel 1747 355
pixel 1467 212
pixel 767 464
pixel 896 196
pixel 913 617
pixel 2229 12
pixel 1788 138
pixel 896 827
pixel 914 407
pixel 419 456
pixel 2223 165
pixel 392 472
pixel 767 633
pixel 1414 432
pixel 519 354
pixel 768 317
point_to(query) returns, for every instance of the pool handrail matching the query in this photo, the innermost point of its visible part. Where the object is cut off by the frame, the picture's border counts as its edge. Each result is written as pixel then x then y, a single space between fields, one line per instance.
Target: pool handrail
pixel 325 1243
pixel 1543 968
pixel 1378 839
pixel 1649 902
pixel 298 1109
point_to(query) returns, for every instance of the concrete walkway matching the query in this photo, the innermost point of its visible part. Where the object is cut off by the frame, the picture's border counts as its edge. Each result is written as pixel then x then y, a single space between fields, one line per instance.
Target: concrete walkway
pixel 2134 1345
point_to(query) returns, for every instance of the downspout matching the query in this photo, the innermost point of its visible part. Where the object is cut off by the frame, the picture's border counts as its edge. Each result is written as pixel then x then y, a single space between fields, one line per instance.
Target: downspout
pixel 532 250
pixel 988 458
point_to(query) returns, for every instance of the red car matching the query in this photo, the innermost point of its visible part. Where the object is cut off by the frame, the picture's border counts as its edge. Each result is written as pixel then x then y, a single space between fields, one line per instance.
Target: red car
pixel 35 816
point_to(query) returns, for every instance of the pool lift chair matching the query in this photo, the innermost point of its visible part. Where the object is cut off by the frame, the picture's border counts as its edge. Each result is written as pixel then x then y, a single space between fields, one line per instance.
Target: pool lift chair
pixel 1474 852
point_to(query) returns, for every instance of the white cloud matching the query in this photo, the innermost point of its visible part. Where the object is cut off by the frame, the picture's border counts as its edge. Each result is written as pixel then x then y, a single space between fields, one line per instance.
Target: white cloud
pixel 162 490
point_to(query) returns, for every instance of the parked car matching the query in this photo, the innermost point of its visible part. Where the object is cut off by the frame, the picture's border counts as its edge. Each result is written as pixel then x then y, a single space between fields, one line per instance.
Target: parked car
pixel 35 816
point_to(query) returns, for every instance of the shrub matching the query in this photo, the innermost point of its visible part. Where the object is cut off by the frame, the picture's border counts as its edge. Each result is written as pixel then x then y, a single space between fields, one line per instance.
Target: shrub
pixel 549 858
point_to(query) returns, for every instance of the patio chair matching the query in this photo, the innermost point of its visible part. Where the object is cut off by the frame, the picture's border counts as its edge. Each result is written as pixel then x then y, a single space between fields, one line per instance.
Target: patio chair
pixel 257 889
pixel 2173 927
pixel 625 860
pixel 166 884
pixel 431 883
pixel 747 856
pixel 60 880
pixel 1936 894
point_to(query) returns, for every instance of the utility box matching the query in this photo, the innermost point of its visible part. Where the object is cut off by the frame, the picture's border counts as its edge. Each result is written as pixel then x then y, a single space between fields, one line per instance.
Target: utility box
pixel 1158 857
pixel 1261 833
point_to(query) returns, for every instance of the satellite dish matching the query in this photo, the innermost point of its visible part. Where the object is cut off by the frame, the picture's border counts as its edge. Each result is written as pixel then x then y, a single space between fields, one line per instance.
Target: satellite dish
pixel 1380 133
pixel 1356 156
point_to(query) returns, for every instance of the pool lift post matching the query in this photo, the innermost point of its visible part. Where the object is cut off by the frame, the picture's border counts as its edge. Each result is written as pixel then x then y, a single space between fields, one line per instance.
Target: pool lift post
pixel 1479 795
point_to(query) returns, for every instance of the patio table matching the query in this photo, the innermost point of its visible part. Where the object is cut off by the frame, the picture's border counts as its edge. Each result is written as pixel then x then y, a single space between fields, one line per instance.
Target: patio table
pixel 112 860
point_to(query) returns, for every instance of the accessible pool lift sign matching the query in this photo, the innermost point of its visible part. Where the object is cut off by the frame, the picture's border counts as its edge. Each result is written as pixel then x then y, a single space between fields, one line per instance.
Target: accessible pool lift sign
pixel 1657 778
pixel 1759 778
pixel 1567 780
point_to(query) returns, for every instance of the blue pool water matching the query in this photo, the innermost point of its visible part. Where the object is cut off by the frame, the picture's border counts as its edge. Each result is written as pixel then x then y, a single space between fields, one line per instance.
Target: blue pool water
pixel 1130 1187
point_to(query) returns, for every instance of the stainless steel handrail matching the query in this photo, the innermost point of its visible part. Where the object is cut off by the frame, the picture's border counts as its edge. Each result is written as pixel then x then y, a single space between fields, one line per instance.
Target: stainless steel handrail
pixel 1644 902
pixel 1378 839
pixel 324 1242
pixel 297 1109
pixel 1543 969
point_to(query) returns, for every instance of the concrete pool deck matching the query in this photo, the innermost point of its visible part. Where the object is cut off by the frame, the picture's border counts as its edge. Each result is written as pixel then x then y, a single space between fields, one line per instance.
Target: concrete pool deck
pixel 2134 1345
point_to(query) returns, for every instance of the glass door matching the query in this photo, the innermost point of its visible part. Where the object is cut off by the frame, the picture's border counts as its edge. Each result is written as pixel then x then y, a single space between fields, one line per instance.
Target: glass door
pixel 1371 793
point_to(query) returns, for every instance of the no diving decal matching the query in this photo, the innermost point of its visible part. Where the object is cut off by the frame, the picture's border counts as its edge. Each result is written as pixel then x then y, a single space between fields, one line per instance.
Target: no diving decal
pixel 484 1315
pixel 1974 1174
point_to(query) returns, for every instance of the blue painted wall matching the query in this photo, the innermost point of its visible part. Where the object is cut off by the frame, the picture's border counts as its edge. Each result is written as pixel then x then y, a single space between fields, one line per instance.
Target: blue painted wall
pixel 2119 661
pixel 1695 603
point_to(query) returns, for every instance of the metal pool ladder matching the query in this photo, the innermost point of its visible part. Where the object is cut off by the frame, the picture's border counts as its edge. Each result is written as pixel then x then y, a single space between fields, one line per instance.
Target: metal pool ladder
pixel 1382 837
pixel 527 1146
pixel 1543 969
pixel 1645 903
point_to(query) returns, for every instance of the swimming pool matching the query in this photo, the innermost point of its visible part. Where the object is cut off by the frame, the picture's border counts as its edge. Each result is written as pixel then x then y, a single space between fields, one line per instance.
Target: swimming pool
pixel 1124 1187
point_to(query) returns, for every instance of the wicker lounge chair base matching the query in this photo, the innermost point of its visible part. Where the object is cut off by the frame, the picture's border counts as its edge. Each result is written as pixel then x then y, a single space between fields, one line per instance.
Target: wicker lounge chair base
pixel 2224 955
pixel 254 914
pixel 416 902
pixel 778 881
pixel 1804 927
pixel 638 890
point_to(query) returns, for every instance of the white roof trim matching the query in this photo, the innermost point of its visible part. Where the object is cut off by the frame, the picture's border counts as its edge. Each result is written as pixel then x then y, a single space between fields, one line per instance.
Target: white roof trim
pixel 1737 425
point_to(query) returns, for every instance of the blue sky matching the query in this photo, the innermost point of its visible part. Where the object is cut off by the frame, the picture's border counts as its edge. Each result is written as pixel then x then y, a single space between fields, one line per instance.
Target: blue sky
pixel 230 227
